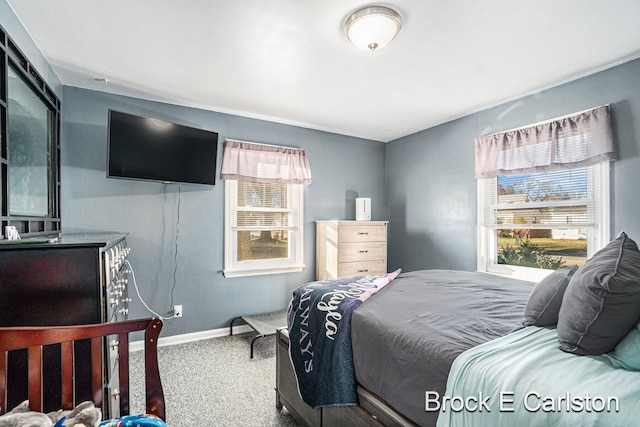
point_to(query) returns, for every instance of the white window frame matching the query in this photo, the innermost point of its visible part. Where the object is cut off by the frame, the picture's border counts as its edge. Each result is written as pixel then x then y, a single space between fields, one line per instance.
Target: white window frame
pixel 295 261
pixel 597 236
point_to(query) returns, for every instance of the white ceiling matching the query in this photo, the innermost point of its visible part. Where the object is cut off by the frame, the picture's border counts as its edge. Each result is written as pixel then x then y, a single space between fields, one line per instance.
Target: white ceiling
pixel 288 61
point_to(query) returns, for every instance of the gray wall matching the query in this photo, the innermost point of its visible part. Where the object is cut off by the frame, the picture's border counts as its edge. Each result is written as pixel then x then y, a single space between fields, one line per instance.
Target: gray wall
pixel 342 168
pixel 14 28
pixel 431 192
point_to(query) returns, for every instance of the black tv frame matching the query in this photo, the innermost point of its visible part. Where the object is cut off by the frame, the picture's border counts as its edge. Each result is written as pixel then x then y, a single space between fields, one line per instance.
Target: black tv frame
pixel 168 167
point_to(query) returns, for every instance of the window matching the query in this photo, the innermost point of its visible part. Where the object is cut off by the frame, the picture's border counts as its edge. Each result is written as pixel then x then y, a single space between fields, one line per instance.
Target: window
pixel 264 199
pixel 531 224
pixel 543 194
pixel 264 228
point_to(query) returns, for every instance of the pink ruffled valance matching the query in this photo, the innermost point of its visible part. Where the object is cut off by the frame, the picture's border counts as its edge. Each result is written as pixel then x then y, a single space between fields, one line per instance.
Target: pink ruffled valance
pixel 580 140
pixel 248 161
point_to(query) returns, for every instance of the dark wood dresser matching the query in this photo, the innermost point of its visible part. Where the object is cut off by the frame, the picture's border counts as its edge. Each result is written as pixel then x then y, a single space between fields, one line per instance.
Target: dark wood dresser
pixel 75 279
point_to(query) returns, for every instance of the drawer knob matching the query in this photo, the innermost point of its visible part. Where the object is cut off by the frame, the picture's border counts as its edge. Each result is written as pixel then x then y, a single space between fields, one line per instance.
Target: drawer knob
pixel 363 233
pixel 363 271
pixel 363 252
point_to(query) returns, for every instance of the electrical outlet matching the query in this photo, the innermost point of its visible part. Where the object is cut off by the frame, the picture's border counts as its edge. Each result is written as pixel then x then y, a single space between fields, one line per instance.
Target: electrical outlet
pixel 177 310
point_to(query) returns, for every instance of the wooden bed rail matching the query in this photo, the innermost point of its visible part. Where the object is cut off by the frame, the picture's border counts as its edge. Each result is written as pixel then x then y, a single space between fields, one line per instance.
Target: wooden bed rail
pixel 34 338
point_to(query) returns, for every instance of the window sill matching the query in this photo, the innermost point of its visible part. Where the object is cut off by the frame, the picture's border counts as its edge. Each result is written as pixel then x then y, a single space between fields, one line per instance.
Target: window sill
pixel 261 272
pixel 520 273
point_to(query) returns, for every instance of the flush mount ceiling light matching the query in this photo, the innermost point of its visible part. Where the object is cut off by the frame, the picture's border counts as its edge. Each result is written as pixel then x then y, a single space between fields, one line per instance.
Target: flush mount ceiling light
pixel 373 27
pixel 159 124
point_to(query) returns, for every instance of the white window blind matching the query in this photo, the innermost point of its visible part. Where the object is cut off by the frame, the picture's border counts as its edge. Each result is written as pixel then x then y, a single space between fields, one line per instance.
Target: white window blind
pixel 263 206
pixel 555 199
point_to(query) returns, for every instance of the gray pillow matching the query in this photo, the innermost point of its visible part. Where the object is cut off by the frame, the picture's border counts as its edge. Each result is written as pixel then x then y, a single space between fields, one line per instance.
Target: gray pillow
pixel 602 302
pixel 545 300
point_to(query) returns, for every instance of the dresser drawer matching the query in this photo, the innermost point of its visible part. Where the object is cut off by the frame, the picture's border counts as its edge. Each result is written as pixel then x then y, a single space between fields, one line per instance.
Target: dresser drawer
pixel 363 233
pixel 350 252
pixel 362 268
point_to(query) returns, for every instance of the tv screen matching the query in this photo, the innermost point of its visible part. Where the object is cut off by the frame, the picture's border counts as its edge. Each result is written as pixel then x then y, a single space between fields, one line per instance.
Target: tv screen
pixel 150 149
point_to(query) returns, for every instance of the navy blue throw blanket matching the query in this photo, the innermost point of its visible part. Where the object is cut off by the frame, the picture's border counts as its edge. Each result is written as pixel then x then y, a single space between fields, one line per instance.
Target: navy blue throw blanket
pixel 319 320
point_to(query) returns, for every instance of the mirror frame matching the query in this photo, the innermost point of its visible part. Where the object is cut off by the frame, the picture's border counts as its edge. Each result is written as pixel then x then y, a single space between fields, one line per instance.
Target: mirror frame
pixel 26 225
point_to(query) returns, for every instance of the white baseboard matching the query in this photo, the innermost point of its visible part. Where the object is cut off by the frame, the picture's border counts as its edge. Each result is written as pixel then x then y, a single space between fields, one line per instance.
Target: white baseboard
pixel 190 337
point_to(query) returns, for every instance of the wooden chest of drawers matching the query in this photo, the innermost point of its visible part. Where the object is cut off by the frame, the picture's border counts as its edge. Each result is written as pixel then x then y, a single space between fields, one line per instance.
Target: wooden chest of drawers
pixel 350 248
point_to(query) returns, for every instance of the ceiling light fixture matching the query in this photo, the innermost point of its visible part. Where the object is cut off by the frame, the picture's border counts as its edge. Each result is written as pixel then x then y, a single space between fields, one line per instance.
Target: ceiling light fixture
pixel 373 27
pixel 159 124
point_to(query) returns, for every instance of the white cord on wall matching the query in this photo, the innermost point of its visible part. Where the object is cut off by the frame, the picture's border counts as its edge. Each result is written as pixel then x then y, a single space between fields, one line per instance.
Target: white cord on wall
pixel 135 285
pixel 175 253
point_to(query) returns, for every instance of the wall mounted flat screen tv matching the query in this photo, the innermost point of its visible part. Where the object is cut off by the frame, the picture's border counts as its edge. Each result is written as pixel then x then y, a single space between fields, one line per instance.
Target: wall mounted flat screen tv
pixel 150 149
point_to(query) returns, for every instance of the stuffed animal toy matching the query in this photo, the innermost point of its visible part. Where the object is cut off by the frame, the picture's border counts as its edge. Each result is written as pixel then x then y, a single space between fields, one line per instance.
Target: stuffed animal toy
pixel 21 415
pixel 143 420
pixel 83 415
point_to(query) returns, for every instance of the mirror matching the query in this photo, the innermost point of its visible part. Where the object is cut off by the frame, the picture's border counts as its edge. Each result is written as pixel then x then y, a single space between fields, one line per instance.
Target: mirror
pixel 30 128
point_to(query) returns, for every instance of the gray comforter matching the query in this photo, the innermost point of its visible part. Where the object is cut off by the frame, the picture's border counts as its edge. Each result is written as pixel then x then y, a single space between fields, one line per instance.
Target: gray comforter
pixel 406 336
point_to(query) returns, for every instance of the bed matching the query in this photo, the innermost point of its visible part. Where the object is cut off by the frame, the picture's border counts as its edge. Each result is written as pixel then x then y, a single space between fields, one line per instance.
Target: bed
pixel 447 348
pixel 35 339
pixel 536 389
pixel 444 311
pixel 577 361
